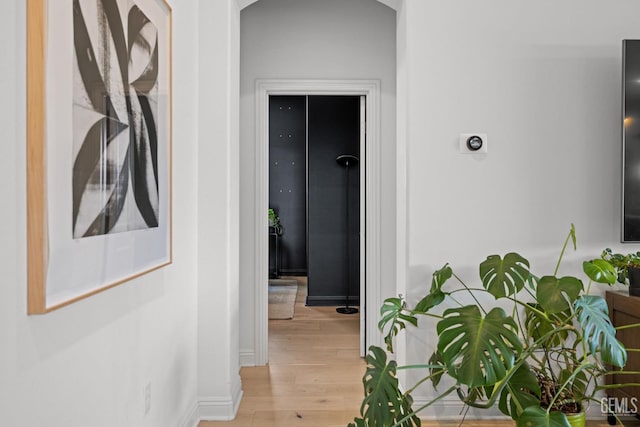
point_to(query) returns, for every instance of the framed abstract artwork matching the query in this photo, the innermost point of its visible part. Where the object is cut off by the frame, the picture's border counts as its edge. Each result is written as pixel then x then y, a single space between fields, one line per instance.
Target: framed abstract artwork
pixel 98 146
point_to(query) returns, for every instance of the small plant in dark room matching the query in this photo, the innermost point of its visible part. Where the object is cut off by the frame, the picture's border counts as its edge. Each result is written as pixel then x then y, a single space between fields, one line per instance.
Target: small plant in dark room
pixel 538 354
pixel 274 221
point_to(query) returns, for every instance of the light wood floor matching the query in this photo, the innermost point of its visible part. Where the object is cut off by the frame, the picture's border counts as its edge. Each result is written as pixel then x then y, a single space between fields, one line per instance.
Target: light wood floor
pixel 314 376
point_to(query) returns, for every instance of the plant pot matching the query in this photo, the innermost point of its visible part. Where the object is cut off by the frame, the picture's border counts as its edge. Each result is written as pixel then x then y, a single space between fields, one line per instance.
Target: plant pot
pixel 634 281
pixel 577 420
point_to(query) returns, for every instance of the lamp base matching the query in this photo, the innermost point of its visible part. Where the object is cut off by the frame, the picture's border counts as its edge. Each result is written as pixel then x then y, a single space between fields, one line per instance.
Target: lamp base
pixel 347 310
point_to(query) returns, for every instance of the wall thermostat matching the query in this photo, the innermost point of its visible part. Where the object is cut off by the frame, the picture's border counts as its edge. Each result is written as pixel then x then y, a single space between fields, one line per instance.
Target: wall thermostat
pixel 473 142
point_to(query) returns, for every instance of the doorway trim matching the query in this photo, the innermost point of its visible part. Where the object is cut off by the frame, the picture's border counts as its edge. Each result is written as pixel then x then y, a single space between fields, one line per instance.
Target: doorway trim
pixel 370 89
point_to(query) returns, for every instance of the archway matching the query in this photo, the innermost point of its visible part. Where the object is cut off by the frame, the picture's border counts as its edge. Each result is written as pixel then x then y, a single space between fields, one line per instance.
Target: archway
pixel 255 353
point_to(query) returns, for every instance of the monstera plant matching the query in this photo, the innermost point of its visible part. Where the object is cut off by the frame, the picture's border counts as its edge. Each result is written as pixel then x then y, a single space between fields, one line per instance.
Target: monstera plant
pixel 538 353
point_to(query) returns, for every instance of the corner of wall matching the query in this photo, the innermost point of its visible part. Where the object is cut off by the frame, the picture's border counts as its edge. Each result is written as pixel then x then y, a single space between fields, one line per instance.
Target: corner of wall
pixel 214 408
pixel 192 418
pixel 247 358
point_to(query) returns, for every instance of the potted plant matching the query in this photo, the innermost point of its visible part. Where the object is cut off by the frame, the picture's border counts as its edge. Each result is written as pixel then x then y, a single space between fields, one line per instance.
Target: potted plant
pixel 274 221
pixel 536 355
pixel 627 267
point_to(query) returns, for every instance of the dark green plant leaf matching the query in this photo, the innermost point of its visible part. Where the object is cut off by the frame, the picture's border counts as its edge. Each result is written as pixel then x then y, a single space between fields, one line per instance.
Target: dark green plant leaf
pixel 394 316
pixel 384 404
pixel 429 301
pixel 578 384
pixel 599 333
pixel 520 392
pixel 478 350
pixel 535 416
pixel 475 396
pixel 504 277
pixel 555 295
pixel 436 360
pixel 600 271
pixel 532 282
pixel 540 324
pixel 440 277
pixel 435 296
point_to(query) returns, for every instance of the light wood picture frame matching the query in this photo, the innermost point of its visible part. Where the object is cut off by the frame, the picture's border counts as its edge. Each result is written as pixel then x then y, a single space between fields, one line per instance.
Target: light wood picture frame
pixel 99 146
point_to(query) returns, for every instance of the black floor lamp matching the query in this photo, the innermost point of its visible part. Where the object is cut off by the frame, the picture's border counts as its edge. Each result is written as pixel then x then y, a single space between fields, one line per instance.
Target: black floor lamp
pixel 347 160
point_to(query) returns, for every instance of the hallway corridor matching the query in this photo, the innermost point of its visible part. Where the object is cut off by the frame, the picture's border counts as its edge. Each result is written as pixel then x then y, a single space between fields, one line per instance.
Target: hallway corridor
pixel 314 376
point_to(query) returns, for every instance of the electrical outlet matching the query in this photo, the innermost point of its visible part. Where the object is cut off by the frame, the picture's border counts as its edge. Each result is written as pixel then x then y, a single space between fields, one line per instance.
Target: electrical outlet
pixel 147 398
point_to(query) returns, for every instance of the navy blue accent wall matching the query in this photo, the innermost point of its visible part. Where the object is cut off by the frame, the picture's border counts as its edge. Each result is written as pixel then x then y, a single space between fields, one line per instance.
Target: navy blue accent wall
pixel 287 182
pixel 334 130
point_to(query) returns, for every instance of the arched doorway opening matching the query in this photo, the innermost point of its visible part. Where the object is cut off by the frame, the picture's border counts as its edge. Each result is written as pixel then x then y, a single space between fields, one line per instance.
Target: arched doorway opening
pixel 385 263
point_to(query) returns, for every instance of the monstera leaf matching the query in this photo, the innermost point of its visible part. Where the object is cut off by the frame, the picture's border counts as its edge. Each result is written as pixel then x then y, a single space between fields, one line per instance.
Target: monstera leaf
pixel 394 316
pixel 384 404
pixel 478 350
pixel 437 369
pixel 535 416
pixel 504 277
pixel 555 295
pixel 593 316
pixel 600 271
pixel 540 324
pixel 520 392
pixel 435 296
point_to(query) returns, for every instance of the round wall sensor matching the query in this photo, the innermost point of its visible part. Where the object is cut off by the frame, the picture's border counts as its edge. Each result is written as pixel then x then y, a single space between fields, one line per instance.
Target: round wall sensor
pixel 474 143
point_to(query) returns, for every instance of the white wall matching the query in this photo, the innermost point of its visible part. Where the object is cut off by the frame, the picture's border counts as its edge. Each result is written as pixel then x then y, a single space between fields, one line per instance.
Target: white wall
pixel 542 79
pixel 88 363
pixel 219 388
pixel 310 39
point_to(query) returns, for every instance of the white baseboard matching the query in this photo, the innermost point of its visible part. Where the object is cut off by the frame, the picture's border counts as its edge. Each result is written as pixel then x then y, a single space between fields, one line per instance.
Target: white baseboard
pixel 247 358
pixel 453 410
pixel 214 408
pixel 192 418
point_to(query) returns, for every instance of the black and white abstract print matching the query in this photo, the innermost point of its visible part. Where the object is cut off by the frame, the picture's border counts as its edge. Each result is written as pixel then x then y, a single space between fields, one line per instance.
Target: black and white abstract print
pixel 115 104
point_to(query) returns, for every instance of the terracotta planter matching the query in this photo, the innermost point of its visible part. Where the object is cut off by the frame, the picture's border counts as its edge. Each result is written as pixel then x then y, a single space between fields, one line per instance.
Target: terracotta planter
pixel 634 281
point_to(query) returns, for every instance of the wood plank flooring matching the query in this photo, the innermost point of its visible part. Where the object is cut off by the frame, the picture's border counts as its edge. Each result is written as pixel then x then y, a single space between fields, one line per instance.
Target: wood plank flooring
pixel 314 376
pixel 314 372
